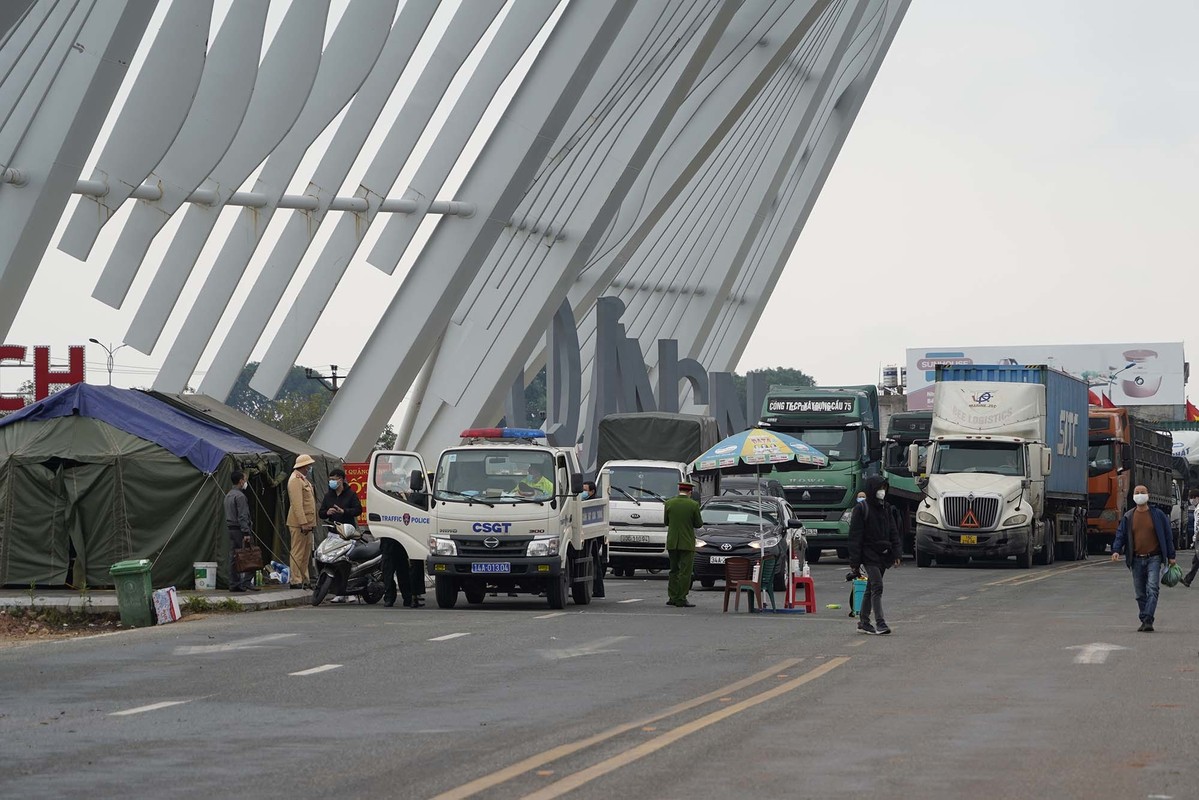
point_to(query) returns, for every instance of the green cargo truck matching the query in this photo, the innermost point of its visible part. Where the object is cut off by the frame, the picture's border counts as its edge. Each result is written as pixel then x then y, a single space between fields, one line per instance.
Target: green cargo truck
pixel 842 423
pixel 903 429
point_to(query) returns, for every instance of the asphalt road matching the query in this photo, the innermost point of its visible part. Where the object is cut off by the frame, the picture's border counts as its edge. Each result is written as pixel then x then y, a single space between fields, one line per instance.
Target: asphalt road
pixel 979 693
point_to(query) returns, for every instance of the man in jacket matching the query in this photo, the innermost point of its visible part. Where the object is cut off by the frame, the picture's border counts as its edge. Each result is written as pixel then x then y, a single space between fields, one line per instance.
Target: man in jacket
pixel 682 518
pixel 1144 535
pixel 241 534
pixel 341 503
pixel 301 519
pixel 874 545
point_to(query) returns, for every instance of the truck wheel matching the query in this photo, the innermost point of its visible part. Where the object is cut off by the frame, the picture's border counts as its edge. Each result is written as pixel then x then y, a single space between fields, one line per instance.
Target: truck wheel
pixel 474 593
pixel 1043 556
pixel 555 593
pixel 1024 561
pixel 446 589
pixel 842 552
pixel 923 559
pixel 580 592
pixel 813 556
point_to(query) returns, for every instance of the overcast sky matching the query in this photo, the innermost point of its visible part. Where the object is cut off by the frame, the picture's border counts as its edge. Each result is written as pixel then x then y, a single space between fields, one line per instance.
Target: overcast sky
pixel 1021 173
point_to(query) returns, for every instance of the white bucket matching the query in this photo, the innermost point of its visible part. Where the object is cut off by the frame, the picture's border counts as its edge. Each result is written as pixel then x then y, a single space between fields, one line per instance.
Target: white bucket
pixel 205 575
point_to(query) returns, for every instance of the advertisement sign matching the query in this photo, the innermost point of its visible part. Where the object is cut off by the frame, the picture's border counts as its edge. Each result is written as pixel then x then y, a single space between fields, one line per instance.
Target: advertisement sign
pixel 791 405
pixel 1129 374
pixel 356 477
pixel 44 375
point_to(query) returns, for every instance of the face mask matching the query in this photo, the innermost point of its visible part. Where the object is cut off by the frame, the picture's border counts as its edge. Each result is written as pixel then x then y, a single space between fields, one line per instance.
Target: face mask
pixel 1140 499
pixel 861 498
pixel 333 484
pixel 881 494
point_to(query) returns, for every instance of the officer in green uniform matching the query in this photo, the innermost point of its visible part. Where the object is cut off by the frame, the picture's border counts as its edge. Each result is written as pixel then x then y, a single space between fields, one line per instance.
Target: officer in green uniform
pixel 682 518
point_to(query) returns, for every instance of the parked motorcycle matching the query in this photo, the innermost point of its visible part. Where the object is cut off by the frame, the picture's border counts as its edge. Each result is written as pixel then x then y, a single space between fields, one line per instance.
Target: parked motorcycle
pixel 350 563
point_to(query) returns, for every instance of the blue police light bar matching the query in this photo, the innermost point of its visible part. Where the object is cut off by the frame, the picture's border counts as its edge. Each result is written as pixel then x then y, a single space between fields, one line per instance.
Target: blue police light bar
pixel 503 433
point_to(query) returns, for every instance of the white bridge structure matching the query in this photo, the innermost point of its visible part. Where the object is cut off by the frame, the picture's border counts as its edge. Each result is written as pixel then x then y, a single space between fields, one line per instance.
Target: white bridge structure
pixel 665 153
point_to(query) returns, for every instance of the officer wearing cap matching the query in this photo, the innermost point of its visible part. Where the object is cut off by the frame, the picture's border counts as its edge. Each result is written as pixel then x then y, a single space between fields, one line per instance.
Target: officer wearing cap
pixel 682 518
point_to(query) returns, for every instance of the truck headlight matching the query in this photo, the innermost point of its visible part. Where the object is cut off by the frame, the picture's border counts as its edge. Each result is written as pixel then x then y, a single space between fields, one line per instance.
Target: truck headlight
pixel 1016 519
pixel 925 517
pixel 845 517
pixel 769 541
pixel 539 548
pixel 442 547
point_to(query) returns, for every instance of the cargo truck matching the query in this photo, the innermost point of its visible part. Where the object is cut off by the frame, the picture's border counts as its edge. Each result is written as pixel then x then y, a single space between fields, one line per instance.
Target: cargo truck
pixel 1006 466
pixel 842 423
pixel 644 456
pixel 501 513
pixel 1123 452
pixel 905 428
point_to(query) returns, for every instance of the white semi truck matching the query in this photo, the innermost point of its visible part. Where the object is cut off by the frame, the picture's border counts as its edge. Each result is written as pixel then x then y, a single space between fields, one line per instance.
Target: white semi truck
pixel 1006 467
pixel 501 513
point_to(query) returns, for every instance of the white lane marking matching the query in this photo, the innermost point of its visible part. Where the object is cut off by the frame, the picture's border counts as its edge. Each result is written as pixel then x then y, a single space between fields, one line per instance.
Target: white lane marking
pixel 151 707
pixel 315 670
pixel 552 615
pixel 447 637
pixel 240 644
pixel 858 643
pixel 1094 653
pixel 634 600
pixel 588 649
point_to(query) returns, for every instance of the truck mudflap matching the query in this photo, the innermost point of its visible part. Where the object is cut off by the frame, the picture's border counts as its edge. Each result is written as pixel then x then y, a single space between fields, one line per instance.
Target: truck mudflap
pixel 936 542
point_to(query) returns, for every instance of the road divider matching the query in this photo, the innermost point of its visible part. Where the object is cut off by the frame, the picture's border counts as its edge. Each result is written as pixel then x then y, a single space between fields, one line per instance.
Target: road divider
pixel 448 636
pixel 315 670
pixel 152 707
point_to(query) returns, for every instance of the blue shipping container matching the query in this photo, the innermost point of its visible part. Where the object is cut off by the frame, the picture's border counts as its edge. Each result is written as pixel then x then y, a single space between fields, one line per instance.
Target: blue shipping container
pixel 1066 405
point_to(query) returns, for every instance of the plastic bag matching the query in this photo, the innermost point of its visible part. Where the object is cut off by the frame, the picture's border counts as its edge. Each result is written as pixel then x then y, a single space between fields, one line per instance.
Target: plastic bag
pixel 1172 576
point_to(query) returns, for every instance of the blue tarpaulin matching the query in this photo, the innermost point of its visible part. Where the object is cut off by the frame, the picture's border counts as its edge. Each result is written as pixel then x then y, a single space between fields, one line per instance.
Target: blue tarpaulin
pixel 202 443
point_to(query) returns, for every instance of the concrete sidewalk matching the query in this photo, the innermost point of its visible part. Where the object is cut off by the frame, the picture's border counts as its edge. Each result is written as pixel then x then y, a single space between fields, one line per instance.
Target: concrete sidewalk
pixel 101 601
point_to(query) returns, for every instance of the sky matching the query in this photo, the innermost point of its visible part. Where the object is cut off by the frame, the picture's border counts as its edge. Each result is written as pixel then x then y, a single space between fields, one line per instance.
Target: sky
pixel 1020 173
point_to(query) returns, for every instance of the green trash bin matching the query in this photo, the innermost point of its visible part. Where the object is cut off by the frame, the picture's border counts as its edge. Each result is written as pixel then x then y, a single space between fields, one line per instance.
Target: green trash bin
pixel 134 593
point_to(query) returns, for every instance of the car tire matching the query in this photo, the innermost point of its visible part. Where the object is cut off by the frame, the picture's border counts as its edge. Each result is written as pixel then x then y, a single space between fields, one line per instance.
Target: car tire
pixel 707 583
pixel 813 556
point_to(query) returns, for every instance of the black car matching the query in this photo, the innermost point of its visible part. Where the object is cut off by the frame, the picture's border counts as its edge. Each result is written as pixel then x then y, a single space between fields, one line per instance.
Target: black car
pixel 742 526
pixel 749 486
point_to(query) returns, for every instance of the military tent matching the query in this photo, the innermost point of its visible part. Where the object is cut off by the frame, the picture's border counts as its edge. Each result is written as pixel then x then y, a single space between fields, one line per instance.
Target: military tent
pixel 93 475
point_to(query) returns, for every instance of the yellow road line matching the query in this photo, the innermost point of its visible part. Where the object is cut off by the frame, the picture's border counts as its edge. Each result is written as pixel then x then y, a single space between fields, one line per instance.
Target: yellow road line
pixel 1023 577
pixel 561 751
pixel 572 782
pixel 1055 573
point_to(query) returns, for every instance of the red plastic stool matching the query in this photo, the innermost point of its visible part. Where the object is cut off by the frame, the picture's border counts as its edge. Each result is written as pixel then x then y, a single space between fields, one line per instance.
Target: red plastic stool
pixel 809 591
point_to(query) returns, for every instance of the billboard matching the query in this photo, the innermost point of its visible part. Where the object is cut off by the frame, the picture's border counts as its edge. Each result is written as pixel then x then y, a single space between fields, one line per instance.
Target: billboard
pixel 1130 374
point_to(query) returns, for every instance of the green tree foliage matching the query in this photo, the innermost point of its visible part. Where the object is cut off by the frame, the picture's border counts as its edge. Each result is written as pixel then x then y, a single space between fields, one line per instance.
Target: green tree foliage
pixel 775 376
pixel 535 398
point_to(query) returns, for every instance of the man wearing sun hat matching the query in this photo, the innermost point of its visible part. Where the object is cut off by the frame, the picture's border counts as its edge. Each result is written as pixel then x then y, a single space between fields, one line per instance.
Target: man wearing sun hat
pixel 301 519
pixel 682 517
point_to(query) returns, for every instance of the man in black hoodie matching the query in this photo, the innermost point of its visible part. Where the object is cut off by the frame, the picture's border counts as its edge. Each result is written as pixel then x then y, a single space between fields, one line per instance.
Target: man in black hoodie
pixel 874 545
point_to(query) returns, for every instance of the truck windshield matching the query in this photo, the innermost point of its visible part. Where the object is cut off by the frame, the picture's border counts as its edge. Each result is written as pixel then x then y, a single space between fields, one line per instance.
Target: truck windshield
pixel 500 475
pixel 1000 458
pixel 645 483
pixel 839 444
pixel 1099 459
pixel 736 514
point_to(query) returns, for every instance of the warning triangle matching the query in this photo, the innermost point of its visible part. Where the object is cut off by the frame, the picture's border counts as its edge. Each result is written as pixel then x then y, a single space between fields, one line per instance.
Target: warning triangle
pixel 969 520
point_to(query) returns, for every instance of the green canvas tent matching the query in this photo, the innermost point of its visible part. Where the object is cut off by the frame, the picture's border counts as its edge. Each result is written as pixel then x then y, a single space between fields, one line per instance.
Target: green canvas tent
pixel 93 475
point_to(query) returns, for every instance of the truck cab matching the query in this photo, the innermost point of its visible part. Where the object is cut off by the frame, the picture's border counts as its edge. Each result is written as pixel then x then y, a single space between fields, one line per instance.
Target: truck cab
pixel 638 491
pixel 904 429
pixel 842 423
pixel 500 512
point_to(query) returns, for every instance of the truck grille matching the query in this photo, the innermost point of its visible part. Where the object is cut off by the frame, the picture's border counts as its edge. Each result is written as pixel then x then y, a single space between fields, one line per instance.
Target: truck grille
pixel 965 513
pixel 1096 503
pixel 815 496
pixel 507 548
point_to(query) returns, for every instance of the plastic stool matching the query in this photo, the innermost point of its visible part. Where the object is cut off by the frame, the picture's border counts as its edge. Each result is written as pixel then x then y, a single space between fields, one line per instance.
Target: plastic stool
pixel 809 591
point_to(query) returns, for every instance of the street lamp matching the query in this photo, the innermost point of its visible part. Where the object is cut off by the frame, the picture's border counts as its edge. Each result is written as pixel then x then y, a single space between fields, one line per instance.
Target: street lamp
pixel 109 349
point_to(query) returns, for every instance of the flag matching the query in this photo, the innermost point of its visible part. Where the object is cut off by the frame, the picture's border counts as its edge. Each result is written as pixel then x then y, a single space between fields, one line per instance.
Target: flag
pixel 1093 399
pixel 1192 412
pixel 1107 403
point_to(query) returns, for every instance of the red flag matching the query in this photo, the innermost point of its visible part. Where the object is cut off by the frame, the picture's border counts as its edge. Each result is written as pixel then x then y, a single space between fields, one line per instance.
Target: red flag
pixel 1093 399
pixel 1192 412
pixel 1107 403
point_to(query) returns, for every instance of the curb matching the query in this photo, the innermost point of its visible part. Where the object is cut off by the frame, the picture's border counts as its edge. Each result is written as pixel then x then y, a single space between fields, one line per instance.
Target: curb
pixel 106 602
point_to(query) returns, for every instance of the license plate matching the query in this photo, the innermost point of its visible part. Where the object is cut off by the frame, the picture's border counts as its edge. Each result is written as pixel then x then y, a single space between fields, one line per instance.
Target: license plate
pixel 717 559
pixel 634 537
pixel 969 538
pixel 490 566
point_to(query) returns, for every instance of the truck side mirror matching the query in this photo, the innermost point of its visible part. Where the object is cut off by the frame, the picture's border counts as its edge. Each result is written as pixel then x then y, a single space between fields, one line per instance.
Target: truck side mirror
pixel 874 444
pixel 1125 455
pixel 416 482
pixel 1046 462
pixel 914 458
pixel 576 483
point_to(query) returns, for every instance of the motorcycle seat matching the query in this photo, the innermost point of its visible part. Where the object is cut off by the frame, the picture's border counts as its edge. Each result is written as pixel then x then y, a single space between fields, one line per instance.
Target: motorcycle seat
pixel 364 551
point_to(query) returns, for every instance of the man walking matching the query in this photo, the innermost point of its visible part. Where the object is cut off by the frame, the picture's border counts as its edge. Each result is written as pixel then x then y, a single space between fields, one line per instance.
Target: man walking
pixel 682 518
pixel 241 534
pixel 1144 535
pixel 874 545
pixel 1192 536
pixel 301 519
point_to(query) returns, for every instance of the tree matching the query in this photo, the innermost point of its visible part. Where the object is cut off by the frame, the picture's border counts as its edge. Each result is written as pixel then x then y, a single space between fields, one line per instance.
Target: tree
pixel 387 439
pixel 535 397
pixel 775 376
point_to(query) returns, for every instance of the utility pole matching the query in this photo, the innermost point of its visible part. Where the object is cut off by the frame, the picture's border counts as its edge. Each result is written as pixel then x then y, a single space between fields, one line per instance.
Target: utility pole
pixel 328 381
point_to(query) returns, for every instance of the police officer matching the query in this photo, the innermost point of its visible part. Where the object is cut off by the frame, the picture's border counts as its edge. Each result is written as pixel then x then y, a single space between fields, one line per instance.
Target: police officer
pixel 682 518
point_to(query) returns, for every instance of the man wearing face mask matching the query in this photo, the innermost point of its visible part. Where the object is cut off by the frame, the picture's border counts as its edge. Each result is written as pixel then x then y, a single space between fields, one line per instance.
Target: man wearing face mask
pixel 1193 533
pixel 341 503
pixel 1144 535
pixel 874 545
